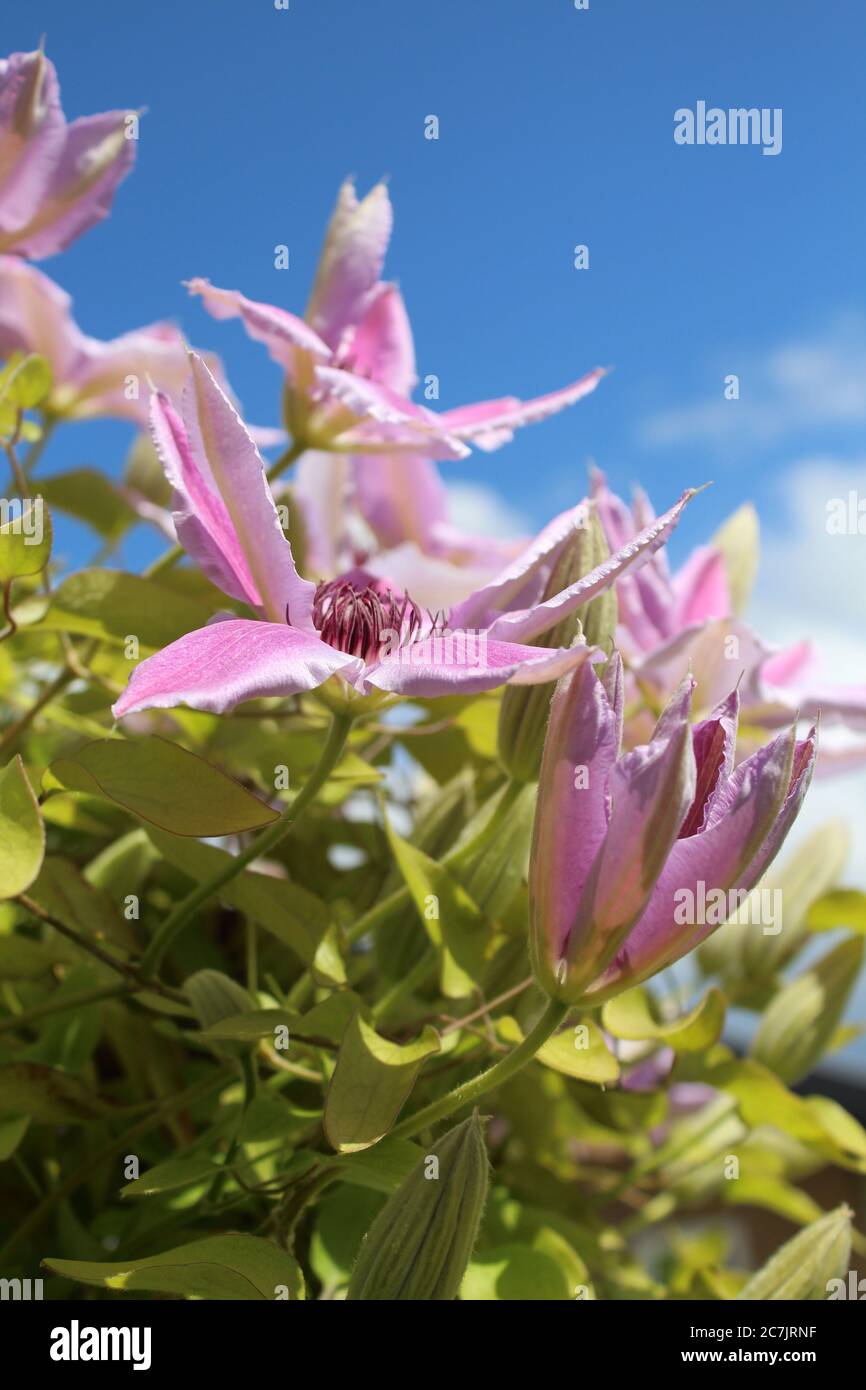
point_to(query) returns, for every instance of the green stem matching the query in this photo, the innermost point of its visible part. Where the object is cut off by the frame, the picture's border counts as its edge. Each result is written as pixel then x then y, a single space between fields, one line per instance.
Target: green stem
pixel 500 1072
pixel 34 453
pixel 166 561
pixel 69 1001
pixel 84 1171
pixel 285 461
pixel 373 918
pixel 420 971
pixel 175 923
pixel 248 1071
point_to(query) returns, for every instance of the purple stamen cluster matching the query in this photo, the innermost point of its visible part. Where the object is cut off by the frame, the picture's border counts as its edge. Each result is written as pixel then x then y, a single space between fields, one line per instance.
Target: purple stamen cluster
pixel 355 616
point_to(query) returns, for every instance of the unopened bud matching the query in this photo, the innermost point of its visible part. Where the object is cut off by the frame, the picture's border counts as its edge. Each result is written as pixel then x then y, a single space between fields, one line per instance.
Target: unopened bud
pixel 419 1245
pixel 525 708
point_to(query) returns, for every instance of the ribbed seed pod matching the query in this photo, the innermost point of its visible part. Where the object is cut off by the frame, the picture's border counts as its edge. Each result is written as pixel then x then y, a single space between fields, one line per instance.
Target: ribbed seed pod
pixel 419 1245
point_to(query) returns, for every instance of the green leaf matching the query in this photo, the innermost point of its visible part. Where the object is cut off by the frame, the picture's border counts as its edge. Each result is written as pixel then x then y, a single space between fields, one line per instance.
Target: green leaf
pixel 292 914
pixel 22 834
pixel 452 920
pixel 843 908
pixel 61 890
pixel 165 785
pixel 579 1051
pixel 749 957
pixel 215 997
pixel 114 606
pixel 45 1095
pixel 25 539
pixel 383 1168
pixel 241 1267
pixel 515 1274
pixel 371 1083
pixel 630 1016
pixel 90 496
pixel 24 959
pixel 173 1176
pixel 805 1265
pixel 800 1021
pixel 25 382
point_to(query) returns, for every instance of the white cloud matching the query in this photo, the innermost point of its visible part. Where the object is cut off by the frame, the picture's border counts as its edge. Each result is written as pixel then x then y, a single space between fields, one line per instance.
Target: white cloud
pixel 813 382
pixel 480 509
pixel 813 584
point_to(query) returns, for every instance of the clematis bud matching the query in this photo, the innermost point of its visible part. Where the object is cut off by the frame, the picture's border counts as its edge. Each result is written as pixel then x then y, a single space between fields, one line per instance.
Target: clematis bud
pixel 419 1245
pixel 809 1266
pixel 524 712
pixel 638 857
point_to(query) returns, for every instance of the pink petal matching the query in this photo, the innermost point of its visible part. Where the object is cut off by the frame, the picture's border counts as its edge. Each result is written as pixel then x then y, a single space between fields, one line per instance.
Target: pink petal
pixel 95 158
pixel 32 136
pixel 381 346
pixel 745 829
pixel 400 497
pixel 218 436
pixel 217 667
pixel 522 580
pixel 36 316
pixel 201 519
pixel 351 262
pixel 469 664
pixel 529 622
pixel 280 331
pixel 573 808
pixel 490 424
pixel 362 416
pixel 701 588
pixel 651 789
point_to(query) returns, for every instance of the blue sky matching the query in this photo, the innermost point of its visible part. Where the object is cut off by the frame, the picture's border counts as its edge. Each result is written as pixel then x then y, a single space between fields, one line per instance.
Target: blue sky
pixel 556 128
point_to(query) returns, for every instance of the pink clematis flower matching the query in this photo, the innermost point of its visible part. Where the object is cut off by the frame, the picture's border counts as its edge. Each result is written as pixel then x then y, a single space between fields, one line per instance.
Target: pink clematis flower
pixel 358 626
pixel 623 842
pixel 350 372
pixel 90 378
pixel 674 623
pixel 56 180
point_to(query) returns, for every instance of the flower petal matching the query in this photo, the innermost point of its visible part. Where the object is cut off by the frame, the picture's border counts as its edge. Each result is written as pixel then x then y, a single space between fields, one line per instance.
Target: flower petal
pixel 489 424
pixel 217 434
pixel 32 136
pixel 573 808
pixel 351 261
pixel 529 622
pixel 400 496
pixel 650 789
pixel 466 663
pixel 728 853
pixel 381 346
pixel 218 666
pixel 280 331
pixel 95 157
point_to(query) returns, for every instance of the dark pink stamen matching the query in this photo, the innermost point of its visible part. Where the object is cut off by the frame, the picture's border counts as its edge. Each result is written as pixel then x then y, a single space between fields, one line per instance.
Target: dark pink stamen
pixel 357 612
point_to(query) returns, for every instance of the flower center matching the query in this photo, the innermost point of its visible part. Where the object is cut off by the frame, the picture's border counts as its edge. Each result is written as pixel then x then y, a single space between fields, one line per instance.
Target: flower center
pixel 361 614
